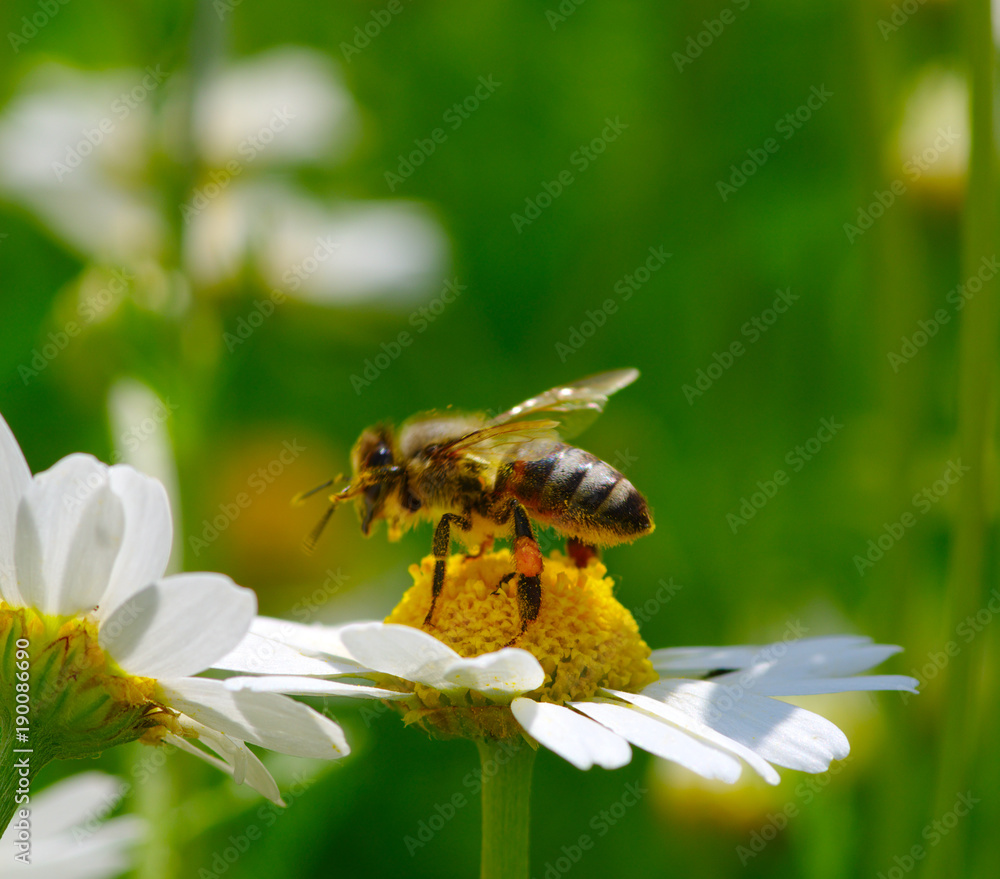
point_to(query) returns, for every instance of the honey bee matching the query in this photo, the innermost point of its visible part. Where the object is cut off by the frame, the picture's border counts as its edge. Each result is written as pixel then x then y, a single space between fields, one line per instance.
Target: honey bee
pixel 490 477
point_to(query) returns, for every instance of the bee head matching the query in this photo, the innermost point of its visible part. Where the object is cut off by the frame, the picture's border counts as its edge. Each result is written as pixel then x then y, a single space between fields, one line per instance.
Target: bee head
pixel 376 472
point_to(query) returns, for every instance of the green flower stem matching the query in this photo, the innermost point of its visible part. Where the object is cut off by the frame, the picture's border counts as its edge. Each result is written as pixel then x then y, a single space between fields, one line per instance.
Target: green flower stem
pixel 968 583
pixel 506 810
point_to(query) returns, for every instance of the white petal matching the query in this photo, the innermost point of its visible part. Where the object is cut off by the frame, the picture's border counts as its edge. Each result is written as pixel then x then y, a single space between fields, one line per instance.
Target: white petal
pixel 246 766
pixel 256 654
pixel 776 685
pixel 663 739
pixel 179 625
pixel 780 733
pixel 76 800
pixel 414 655
pixel 690 724
pixel 790 653
pixel 148 534
pixel 572 736
pixel 314 638
pixel 266 719
pixel 244 769
pixel 402 651
pixel 14 480
pixel 104 852
pixel 507 672
pixel 298 686
pixel 69 531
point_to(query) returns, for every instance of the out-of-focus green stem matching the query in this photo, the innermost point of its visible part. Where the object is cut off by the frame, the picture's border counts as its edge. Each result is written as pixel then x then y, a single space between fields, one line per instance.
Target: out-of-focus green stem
pixel 506 811
pixel 968 585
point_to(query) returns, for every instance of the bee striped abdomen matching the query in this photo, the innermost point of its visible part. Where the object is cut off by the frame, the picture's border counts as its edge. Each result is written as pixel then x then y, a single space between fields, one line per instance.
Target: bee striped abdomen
pixel 577 492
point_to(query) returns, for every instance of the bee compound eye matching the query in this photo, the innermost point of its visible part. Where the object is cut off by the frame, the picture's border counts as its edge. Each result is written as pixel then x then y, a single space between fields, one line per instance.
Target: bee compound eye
pixel 380 456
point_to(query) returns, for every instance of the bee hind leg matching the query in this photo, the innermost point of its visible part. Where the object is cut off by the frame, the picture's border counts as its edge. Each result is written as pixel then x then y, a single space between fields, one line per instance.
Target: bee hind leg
pixel 580 553
pixel 528 567
pixel 440 547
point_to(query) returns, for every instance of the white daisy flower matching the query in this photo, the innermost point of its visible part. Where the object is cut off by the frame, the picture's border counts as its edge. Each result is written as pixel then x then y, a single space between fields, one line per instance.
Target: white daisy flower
pixel 100 648
pixel 66 836
pixel 585 686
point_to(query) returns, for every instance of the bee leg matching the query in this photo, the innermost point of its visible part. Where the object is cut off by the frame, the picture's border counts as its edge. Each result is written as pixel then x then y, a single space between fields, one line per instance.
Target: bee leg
pixel 580 553
pixel 440 547
pixel 506 578
pixel 528 566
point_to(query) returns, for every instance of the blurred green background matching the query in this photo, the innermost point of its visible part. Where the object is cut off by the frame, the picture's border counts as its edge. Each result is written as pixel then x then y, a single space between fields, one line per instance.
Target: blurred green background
pixel 600 131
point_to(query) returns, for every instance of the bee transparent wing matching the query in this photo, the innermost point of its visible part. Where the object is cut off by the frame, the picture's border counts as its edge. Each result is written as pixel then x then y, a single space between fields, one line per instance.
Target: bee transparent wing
pixel 484 442
pixel 574 406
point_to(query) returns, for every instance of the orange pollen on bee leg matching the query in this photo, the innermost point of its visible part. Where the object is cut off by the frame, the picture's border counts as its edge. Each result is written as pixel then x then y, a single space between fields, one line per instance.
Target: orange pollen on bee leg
pixel 527 557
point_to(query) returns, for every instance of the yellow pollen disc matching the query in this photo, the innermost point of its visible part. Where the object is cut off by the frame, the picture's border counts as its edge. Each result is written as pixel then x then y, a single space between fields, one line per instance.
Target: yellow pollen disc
pixel 583 637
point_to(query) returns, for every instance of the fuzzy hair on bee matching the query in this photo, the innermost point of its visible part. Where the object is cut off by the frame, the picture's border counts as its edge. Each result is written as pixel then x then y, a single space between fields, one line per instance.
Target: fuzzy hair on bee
pixel 490 477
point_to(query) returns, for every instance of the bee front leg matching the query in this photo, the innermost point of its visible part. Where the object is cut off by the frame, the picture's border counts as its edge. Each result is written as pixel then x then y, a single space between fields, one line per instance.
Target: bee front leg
pixel 528 565
pixel 440 547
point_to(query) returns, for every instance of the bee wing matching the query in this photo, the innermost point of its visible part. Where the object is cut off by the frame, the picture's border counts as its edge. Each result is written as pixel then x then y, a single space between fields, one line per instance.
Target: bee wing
pixel 574 406
pixel 494 437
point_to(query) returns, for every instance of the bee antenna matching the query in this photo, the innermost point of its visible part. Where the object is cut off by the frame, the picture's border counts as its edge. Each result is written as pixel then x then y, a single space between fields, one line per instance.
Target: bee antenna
pixel 302 495
pixel 309 544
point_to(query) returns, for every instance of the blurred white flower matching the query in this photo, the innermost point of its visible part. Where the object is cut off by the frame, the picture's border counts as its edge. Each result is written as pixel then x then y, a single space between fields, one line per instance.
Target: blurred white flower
pixel 83 151
pixel 239 101
pixel 69 838
pixel 73 149
pixel 934 135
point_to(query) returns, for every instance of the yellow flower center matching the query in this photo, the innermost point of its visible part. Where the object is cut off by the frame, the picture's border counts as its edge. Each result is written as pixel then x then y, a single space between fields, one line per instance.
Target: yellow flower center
pixel 73 699
pixel 583 637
